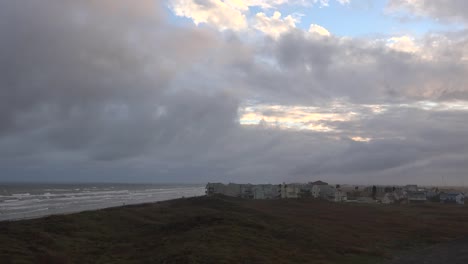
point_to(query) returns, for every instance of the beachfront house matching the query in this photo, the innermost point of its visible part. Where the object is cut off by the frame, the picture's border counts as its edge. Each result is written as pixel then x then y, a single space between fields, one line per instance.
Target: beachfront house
pixel 231 189
pixel 246 191
pixel 416 197
pixel 411 188
pixel 290 190
pixel 431 193
pixel 316 191
pixel 379 191
pixel 324 191
pixel 266 191
pixel 389 198
pixel 318 183
pixel 214 188
pixel 452 197
pixel 340 196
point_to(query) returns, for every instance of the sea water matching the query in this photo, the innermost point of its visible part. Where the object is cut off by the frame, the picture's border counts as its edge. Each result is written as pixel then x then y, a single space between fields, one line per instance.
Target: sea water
pixel 22 201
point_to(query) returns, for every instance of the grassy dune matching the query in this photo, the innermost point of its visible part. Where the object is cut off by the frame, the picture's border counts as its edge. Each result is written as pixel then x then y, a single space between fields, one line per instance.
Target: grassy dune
pixel 229 230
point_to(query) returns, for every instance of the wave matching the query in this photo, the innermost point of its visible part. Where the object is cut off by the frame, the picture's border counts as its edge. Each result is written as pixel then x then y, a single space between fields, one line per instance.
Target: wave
pixel 26 204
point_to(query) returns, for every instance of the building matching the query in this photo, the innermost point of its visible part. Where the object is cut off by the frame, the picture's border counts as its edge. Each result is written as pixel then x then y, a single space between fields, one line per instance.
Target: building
pixel 318 183
pixel 389 198
pixel 231 189
pixel 324 191
pixel 340 196
pixel 433 192
pixel 416 197
pixel 452 197
pixel 411 188
pixel 380 191
pixel 266 191
pixel 316 191
pixel 214 188
pixel 246 191
pixel 399 195
pixel 290 190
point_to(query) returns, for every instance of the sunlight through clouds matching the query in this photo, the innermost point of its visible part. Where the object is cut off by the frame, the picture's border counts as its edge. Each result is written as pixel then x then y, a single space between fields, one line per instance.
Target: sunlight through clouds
pixel 274 25
pixel 236 15
pixel 319 118
pixel 319 30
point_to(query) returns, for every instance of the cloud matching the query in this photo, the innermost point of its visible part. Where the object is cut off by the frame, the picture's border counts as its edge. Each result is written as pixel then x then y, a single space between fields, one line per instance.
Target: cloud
pixel 274 26
pixel 223 15
pixel 319 30
pixel 344 2
pixel 235 14
pixel 92 84
pixel 362 71
pixel 451 10
pixel 110 91
pixel 403 43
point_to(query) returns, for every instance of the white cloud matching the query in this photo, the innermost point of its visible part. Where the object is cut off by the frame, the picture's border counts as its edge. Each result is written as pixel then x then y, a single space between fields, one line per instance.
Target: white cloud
pixel 275 3
pixel 344 2
pixel 264 3
pixel 275 25
pixel 234 14
pixel 238 4
pixel 403 43
pixel 317 29
pixel 222 15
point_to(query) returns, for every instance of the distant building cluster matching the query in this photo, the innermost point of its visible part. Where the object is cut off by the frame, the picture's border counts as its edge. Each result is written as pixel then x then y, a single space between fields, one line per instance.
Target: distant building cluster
pixel 319 189
pixel 316 189
pixel 408 194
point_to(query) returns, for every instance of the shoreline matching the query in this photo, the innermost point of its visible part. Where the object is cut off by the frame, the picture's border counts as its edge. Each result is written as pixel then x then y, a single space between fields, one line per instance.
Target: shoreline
pixel 91 209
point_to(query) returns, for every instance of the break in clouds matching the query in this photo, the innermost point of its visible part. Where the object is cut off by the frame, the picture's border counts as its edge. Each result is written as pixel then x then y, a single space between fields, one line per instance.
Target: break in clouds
pixel 117 91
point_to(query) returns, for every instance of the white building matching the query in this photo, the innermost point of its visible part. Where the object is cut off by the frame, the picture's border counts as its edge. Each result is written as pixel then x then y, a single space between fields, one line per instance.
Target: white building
pixel 324 192
pixel 291 190
pixel 411 188
pixel 416 197
pixel 453 197
pixel 215 188
pixel 266 191
pixel 389 198
pixel 231 189
pixel 269 191
pixel 316 191
pixel 340 196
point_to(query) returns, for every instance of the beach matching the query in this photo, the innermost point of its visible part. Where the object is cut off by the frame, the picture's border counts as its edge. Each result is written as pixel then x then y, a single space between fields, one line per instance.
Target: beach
pixel 25 201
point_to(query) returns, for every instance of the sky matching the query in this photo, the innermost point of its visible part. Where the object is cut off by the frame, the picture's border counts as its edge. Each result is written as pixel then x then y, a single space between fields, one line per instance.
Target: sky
pixel 259 91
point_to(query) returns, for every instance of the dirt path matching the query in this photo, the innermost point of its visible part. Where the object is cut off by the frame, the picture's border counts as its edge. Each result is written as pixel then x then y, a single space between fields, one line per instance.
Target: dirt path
pixel 453 252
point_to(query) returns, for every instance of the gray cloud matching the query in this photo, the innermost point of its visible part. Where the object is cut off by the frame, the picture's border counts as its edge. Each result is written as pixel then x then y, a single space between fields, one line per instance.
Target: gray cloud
pixel 312 69
pixel 110 91
pixel 449 10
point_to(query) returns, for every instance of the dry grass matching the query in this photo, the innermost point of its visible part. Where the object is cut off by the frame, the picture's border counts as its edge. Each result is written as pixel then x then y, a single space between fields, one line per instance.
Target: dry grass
pixel 228 230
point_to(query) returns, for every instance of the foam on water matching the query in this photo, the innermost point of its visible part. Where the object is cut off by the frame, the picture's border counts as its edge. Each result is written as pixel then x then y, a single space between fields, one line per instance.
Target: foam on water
pixel 31 201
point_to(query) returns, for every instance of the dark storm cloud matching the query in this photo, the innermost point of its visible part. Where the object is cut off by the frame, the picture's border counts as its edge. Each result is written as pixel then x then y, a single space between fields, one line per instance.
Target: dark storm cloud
pixel 84 77
pixel 108 81
pixel 308 70
pixel 108 90
pixel 411 141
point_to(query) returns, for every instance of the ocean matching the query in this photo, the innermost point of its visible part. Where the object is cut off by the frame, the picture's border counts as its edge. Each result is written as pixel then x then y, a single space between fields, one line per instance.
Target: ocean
pixel 24 201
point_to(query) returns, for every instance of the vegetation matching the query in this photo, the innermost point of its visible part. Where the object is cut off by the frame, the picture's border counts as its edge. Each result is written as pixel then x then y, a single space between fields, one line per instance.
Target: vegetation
pixel 230 230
